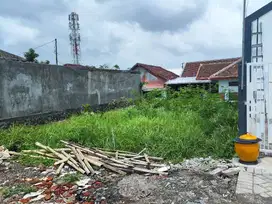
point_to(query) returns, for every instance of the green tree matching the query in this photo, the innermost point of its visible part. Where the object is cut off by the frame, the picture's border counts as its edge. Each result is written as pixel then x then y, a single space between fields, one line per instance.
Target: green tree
pixel 116 66
pixel 31 55
pixel 104 66
pixel 45 62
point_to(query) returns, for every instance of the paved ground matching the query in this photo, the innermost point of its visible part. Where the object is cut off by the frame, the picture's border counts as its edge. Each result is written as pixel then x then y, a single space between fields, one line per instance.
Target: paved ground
pixel 256 180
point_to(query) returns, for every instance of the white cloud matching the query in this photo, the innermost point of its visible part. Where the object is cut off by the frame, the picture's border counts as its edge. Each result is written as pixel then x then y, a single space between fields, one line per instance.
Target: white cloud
pixel 110 34
pixel 13 31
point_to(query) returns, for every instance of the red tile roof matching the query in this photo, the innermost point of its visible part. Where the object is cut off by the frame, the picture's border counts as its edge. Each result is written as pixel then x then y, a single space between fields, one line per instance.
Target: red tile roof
pixel 229 72
pixel 156 71
pixel 206 70
pixel 191 68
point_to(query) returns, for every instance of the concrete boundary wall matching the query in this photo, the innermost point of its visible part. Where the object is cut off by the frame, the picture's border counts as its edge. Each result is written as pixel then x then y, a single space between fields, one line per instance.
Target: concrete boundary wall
pixel 30 88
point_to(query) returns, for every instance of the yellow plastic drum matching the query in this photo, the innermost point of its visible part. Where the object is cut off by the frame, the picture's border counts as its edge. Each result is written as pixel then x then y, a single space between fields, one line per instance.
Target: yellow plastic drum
pixel 247 148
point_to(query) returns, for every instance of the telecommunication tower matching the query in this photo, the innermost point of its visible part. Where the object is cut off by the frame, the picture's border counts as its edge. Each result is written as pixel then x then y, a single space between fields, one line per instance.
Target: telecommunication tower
pixel 74 36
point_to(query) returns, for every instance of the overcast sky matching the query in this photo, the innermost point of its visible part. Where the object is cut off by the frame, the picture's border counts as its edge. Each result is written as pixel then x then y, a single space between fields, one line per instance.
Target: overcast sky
pixel 124 32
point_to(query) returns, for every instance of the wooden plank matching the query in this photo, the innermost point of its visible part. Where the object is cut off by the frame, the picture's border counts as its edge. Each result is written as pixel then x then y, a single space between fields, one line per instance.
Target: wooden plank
pixel 61 156
pixel 94 161
pixel 40 153
pixel 80 161
pixel 142 170
pixel 141 151
pixel 147 160
pixel 92 152
pixel 113 151
pixel 114 169
pixel 86 162
pixel 60 168
pixel 61 161
pixel 43 150
pixel 29 155
pixel 70 157
pixel 146 164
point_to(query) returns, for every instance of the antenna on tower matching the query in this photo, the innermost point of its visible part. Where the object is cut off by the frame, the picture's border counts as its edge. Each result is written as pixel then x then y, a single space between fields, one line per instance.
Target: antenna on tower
pixel 75 37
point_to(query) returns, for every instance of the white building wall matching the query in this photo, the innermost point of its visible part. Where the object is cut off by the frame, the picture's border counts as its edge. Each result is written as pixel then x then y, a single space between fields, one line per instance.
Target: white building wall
pixel 264 42
pixel 149 76
pixel 267 37
pixel 224 85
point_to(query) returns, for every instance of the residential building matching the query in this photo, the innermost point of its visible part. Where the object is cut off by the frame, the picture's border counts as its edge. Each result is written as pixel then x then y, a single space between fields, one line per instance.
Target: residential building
pixel 153 77
pixel 222 71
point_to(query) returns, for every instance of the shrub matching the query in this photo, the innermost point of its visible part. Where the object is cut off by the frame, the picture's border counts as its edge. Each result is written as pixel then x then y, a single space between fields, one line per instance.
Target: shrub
pixel 187 123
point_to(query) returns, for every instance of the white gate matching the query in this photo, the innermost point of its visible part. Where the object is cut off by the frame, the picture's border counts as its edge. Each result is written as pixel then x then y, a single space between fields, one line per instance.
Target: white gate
pixel 259 103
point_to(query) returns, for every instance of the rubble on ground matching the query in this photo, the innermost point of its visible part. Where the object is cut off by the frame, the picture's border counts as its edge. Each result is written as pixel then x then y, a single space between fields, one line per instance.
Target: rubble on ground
pixel 204 164
pixel 197 180
pixel 4 154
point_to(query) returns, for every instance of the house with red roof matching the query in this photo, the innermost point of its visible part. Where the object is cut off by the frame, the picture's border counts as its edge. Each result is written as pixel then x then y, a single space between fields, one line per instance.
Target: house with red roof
pixel 153 77
pixel 221 71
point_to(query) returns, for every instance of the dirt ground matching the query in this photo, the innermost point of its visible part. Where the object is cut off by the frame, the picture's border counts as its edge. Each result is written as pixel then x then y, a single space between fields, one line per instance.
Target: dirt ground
pixel 181 186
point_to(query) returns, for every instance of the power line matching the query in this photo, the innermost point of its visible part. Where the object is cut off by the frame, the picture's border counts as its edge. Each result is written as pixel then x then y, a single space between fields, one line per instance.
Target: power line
pixel 43 44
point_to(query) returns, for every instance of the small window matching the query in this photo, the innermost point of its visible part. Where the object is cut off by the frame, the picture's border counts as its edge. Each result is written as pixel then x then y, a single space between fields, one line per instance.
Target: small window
pixel 260 29
pixel 233 83
pixel 254 59
pixel 254 26
pixel 260 59
pixel 254 39
pixel 254 52
pixel 260 39
pixel 260 51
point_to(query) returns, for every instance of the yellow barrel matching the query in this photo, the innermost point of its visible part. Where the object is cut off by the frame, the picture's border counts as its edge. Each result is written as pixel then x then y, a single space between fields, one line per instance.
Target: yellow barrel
pixel 247 148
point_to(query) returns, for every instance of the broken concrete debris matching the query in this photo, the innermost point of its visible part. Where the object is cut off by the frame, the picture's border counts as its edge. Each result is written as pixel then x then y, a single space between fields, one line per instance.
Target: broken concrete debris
pixel 4 154
pixel 231 171
pixel 212 166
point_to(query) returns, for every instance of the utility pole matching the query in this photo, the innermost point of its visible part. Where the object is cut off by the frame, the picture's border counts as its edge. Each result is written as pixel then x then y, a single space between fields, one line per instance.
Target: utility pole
pixel 56 51
pixel 243 45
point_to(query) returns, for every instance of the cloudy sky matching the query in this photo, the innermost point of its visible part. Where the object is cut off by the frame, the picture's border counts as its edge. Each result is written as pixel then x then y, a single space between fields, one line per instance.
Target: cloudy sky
pixel 123 32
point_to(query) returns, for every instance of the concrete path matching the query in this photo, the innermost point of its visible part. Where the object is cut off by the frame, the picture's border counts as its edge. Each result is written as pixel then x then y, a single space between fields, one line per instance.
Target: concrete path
pixel 255 179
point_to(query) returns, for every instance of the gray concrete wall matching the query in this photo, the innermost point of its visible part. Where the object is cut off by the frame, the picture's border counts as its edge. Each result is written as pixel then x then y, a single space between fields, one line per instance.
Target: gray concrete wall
pixel 29 88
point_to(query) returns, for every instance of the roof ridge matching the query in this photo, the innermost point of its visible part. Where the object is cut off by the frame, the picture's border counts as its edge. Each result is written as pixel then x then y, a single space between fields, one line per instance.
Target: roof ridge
pixel 198 70
pixel 149 65
pixel 232 58
pixel 216 63
pixel 225 68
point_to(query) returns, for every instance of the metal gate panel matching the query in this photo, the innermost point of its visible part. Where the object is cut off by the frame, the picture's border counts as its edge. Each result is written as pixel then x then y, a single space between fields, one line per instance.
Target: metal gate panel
pixel 259 103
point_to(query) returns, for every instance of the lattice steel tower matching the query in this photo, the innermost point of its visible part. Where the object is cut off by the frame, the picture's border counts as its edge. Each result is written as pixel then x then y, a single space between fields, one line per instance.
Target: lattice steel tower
pixel 74 37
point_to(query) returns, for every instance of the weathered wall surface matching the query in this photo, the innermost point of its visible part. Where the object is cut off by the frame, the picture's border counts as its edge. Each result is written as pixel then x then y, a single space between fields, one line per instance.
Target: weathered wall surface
pixel 29 88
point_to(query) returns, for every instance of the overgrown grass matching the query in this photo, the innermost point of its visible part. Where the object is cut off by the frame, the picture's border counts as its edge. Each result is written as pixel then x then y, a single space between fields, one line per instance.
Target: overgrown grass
pixel 20 188
pixel 186 124
pixel 30 161
pixel 71 178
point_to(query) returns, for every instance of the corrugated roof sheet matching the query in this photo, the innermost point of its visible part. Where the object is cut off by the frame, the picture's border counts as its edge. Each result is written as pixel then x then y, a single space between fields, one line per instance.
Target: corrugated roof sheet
pixel 187 80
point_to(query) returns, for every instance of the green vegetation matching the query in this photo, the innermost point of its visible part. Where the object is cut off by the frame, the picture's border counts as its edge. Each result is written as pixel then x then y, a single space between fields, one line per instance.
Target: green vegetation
pixel 20 188
pixel 71 178
pixel 188 123
pixel 30 161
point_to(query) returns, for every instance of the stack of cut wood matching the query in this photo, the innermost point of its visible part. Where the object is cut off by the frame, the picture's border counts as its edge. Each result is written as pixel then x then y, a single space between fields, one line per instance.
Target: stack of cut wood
pixel 83 159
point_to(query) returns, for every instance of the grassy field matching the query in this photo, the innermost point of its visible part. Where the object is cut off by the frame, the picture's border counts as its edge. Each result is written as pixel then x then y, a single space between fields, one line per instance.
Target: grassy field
pixel 186 124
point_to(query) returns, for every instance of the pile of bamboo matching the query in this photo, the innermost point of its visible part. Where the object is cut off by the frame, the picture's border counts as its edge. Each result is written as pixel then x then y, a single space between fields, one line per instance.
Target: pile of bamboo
pixel 83 159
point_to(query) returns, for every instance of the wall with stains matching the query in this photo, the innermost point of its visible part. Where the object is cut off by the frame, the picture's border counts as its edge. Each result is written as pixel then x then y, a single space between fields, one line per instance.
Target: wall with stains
pixel 29 88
